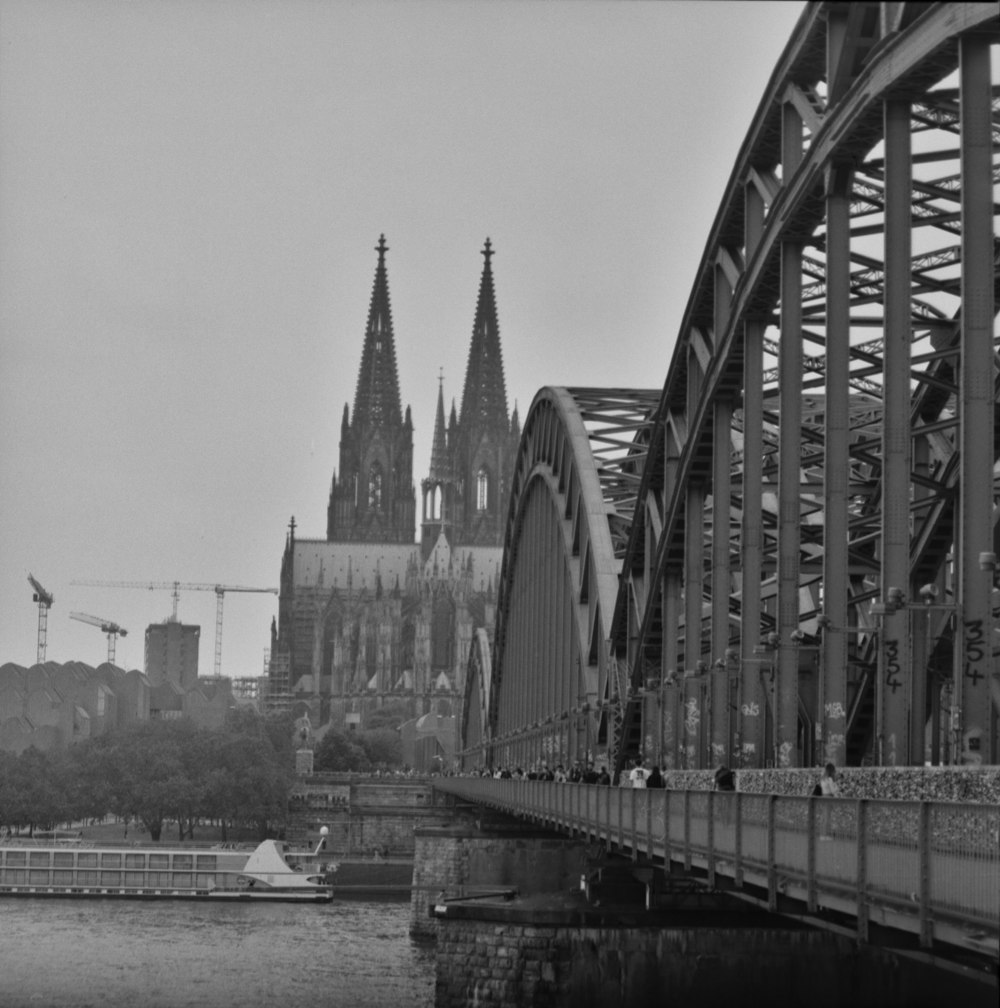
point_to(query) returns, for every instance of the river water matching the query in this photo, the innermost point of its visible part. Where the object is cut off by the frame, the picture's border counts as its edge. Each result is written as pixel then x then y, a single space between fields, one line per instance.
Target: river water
pixel 64 953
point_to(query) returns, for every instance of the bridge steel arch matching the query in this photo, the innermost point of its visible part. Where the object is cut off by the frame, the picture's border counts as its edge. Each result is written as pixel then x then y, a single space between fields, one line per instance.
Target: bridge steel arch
pixel 543 694
pixel 810 568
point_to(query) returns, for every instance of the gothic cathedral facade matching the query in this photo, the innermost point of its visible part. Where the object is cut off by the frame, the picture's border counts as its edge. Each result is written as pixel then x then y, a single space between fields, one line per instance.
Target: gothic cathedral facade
pixel 370 618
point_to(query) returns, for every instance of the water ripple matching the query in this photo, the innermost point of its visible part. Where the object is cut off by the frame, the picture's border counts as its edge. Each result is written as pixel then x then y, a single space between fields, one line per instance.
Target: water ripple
pixel 117 954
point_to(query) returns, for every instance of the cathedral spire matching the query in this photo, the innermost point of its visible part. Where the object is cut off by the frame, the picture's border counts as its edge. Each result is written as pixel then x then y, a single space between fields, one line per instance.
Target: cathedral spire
pixel 373 499
pixel 484 398
pixel 439 447
pixel 376 397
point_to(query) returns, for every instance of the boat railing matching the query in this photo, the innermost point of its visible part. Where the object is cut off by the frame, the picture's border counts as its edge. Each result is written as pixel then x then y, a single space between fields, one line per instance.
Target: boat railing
pixel 206 845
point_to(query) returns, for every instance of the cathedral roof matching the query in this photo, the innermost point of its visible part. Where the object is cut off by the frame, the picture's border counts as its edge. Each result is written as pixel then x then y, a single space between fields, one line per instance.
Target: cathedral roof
pixel 484 397
pixel 321 564
pixel 376 397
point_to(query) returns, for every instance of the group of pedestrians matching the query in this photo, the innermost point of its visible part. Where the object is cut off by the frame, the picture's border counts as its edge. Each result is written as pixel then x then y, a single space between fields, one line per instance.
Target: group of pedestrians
pixel 640 775
pixel 578 773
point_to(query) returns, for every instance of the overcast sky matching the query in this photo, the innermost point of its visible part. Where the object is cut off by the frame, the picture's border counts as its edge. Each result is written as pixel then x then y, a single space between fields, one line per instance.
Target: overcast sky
pixel 190 196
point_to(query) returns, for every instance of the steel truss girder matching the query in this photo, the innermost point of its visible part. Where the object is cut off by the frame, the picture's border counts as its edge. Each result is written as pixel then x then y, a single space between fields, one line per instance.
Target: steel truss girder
pixel 819 138
pixel 574 491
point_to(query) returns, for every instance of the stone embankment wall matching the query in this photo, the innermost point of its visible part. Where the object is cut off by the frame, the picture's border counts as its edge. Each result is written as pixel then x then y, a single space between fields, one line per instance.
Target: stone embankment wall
pixel 522 965
pixel 363 814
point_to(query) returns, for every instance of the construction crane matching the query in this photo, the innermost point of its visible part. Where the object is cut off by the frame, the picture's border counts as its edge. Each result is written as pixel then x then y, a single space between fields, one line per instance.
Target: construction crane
pixel 113 630
pixel 44 600
pixel 176 587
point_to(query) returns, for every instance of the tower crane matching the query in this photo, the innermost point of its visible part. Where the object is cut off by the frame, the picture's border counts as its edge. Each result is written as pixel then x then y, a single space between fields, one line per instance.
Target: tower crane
pixel 113 630
pixel 44 600
pixel 176 587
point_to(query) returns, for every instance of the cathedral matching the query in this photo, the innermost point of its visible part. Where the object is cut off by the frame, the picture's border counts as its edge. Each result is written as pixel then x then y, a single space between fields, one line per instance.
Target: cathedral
pixel 371 617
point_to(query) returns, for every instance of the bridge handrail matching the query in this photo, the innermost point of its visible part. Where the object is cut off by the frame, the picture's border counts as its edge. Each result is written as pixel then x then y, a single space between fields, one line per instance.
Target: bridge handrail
pixel 927 868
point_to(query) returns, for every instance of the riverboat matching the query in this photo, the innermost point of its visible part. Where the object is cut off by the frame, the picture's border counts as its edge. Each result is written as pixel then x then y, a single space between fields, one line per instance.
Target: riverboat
pixel 70 868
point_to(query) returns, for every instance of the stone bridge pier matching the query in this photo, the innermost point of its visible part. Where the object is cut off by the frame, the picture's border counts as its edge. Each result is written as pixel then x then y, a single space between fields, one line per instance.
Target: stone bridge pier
pixel 525 917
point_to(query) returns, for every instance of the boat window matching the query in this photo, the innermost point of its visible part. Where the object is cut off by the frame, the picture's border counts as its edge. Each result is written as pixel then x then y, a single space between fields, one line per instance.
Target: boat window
pixel 16 857
pixel 206 862
pixel 62 859
pixel 135 878
pixel 111 860
pixel 182 880
pixel 63 877
pixel 182 861
pixel 39 859
pixel 111 878
pixel 38 877
pixel 88 860
pixel 159 860
pixel 135 860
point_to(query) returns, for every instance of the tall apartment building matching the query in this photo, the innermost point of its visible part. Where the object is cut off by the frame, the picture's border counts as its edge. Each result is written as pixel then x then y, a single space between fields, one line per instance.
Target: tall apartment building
pixel 171 653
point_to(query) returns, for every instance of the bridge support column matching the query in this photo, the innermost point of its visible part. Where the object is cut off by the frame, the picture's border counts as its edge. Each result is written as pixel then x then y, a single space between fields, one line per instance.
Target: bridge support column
pixel 468 862
pixel 832 714
pixel 975 685
pixel 894 686
pixel 752 702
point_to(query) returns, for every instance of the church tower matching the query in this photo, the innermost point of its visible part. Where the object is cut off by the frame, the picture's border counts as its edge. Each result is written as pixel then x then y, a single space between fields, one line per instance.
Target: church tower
pixel 373 500
pixel 465 493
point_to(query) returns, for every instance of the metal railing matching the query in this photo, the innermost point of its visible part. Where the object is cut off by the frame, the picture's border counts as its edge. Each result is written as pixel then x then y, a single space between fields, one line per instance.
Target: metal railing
pixel 927 868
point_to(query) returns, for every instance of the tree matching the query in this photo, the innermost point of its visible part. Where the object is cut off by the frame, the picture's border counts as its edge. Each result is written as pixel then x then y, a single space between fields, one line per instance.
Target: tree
pixel 248 781
pixel 383 747
pixel 337 753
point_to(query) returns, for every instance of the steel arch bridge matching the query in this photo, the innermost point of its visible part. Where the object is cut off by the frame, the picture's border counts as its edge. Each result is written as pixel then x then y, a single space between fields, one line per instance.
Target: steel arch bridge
pixel 787 556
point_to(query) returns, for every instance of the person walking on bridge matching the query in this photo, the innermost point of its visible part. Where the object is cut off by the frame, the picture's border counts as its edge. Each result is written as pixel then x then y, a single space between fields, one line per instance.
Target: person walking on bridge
pixel 638 774
pixel 725 780
pixel 827 789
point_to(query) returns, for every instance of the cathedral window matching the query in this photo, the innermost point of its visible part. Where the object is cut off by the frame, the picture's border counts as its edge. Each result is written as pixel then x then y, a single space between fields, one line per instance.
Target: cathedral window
pixel 482 490
pixel 375 487
pixel 442 631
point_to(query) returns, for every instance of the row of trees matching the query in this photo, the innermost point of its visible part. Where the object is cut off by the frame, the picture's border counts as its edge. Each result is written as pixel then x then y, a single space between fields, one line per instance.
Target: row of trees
pixel 158 771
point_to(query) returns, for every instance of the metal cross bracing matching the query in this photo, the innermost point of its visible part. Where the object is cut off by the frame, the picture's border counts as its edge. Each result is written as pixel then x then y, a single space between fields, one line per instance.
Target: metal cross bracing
pixel 809 572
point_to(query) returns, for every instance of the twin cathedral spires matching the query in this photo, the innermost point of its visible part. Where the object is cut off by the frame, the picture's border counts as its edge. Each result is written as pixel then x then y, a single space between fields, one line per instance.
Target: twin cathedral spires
pixel 464 495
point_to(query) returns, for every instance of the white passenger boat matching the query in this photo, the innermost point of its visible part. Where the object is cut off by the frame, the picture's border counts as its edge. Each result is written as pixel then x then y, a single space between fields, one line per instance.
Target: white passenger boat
pixel 73 868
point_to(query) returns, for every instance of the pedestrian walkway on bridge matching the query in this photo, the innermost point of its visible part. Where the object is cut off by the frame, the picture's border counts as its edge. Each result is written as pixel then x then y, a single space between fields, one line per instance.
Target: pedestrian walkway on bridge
pixel 923 877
